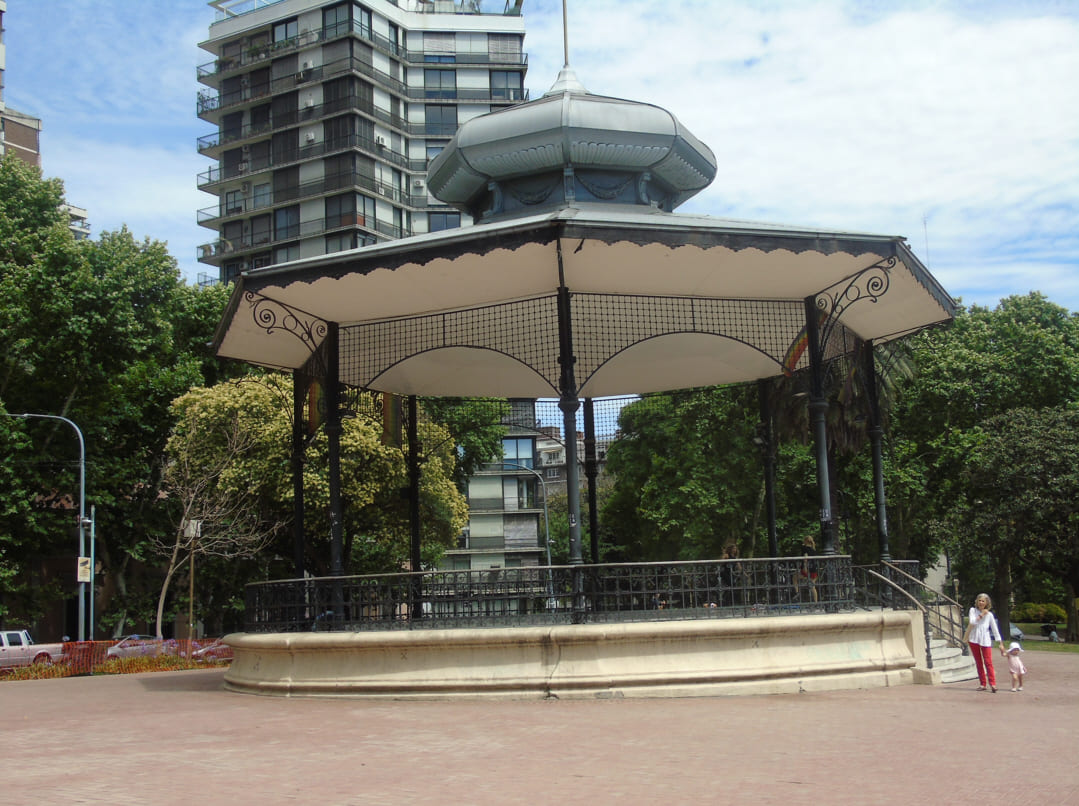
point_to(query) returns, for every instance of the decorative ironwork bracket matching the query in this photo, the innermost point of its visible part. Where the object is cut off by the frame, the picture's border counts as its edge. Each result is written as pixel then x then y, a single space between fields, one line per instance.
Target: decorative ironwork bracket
pixel 273 316
pixel 871 283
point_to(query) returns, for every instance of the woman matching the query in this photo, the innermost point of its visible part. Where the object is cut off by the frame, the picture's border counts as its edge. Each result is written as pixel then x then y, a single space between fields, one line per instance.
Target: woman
pixel 981 633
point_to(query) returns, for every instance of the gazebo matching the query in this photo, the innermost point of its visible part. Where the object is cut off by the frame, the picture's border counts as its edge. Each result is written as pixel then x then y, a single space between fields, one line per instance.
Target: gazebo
pixel 578 281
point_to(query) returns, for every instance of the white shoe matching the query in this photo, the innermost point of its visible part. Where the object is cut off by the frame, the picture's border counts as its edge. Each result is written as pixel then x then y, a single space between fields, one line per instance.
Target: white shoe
pixel 1020 688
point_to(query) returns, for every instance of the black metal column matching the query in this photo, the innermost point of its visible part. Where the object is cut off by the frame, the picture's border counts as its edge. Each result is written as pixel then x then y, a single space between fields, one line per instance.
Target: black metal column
pixel 300 382
pixel 333 438
pixel 591 471
pixel 569 404
pixel 818 408
pixel 876 439
pixel 766 434
pixel 414 504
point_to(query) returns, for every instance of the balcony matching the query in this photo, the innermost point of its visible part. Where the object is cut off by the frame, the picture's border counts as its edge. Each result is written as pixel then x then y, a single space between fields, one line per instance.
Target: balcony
pixel 376 147
pixel 215 251
pixel 212 216
pixel 211 145
pixel 211 72
pixel 209 103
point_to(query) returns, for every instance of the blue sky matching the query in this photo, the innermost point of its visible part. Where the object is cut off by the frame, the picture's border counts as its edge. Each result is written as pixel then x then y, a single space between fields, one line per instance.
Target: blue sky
pixel 953 124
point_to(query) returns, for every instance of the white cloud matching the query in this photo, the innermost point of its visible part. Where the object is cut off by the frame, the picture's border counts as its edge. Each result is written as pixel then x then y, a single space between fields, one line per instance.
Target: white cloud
pixel 959 122
pixel 873 122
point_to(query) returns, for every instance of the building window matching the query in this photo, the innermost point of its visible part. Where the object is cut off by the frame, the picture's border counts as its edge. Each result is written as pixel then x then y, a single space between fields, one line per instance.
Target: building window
pixel 261 259
pixel 436 222
pixel 335 21
pixel 434 149
pixel 340 242
pixel 506 85
pixel 439 48
pixel 440 120
pixel 260 229
pixel 440 83
pixel 286 223
pixel 341 211
pixel 504 47
pixel 286 29
pixel 283 254
pixel 517 451
pixel 234 202
pixel 263 197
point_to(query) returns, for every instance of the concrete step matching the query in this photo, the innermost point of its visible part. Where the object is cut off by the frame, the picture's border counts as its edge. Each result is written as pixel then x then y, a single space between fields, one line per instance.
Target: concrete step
pixel 950 661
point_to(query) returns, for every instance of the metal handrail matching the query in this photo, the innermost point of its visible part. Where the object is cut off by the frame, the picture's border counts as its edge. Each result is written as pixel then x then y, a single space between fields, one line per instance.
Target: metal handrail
pixel 948 625
pixel 914 600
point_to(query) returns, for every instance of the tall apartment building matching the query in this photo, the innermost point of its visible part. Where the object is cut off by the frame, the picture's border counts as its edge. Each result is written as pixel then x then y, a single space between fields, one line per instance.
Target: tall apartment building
pixel 505 501
pixel 328 112
pixel 20 134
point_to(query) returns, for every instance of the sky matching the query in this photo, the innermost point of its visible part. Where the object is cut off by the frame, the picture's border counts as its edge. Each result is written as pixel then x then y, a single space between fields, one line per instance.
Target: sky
pixel 953 124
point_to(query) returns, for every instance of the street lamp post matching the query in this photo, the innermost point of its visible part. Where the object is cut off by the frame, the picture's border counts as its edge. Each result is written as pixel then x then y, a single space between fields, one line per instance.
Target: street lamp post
pixel 83 520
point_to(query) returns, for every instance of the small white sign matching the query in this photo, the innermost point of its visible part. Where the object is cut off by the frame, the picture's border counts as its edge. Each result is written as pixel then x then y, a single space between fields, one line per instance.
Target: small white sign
pixel 83 574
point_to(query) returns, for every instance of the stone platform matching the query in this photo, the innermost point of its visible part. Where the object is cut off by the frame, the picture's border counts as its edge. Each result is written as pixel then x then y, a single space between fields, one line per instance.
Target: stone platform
pixel 764 655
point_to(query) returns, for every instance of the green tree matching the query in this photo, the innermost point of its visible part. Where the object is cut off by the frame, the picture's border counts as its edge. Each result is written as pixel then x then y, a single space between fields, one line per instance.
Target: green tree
pixel 375 518
pixel 106 333
pixel 1022 354
pixel 1023 497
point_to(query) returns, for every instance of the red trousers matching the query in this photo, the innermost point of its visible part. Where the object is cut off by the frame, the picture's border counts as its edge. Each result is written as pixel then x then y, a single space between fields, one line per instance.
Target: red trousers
pixel 983 659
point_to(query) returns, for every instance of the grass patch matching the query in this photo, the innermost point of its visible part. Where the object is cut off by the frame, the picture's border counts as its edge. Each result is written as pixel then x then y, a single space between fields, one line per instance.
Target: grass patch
pixel 1049 646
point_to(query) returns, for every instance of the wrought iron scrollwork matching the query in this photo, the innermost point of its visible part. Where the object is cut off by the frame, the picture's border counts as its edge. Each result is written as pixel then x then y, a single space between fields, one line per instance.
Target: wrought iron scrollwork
pixel 273 316
pixel 869 284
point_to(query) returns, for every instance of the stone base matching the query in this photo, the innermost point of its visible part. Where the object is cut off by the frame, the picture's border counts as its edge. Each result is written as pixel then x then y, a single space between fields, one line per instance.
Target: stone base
pixel 784 654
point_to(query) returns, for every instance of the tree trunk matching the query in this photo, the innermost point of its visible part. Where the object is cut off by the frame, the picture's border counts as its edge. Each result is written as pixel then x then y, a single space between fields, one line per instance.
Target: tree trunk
pixel 174 563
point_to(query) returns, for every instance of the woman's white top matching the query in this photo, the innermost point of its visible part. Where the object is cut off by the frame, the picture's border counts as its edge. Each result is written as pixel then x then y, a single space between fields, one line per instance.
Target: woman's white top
pixel 984 631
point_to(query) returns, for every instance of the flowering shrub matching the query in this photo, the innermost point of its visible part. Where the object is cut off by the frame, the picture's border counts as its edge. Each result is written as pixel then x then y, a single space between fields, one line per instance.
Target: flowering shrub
pixel 90 657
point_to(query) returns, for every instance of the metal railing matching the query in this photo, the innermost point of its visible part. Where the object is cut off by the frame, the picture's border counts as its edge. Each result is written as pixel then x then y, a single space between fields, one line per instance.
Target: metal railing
pixel 875 589
pixel 945 614
pixel 552 594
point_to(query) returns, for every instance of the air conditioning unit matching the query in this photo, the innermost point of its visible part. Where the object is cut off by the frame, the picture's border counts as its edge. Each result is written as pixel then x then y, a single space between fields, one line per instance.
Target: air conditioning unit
pixel 307 65
pixel 309 103
pixel 418 184
pixel 380 141
pixel 310 137
pixel 245 187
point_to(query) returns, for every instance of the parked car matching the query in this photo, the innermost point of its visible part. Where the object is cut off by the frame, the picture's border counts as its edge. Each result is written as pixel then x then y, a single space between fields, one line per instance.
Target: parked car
pixel 137 646
pixel 1017 634
pixel 215 650
pixel 17 648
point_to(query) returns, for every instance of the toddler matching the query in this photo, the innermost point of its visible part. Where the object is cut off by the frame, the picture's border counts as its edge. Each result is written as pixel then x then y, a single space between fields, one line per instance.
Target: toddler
pixel 1015 665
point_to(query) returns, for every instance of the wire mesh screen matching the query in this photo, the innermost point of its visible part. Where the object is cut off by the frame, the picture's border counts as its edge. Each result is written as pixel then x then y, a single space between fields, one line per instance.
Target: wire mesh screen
pixel 603 326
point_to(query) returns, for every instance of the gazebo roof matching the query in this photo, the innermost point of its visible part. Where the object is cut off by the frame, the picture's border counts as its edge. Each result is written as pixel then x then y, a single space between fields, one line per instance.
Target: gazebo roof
pixel 656 301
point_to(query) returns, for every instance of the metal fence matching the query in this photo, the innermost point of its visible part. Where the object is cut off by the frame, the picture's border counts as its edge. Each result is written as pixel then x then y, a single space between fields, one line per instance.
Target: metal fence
pixel 553 594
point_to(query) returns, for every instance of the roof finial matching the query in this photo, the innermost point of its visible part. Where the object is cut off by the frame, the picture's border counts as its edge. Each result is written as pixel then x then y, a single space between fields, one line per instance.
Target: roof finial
pixel 567 79
pixel 565 36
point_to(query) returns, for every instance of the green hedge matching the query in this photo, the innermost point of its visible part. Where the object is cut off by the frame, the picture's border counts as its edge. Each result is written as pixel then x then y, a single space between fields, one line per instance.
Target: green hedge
pixel 1028 612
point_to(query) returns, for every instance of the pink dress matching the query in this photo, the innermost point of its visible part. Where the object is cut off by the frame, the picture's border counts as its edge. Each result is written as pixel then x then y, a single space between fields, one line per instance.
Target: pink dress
pixel 1015 664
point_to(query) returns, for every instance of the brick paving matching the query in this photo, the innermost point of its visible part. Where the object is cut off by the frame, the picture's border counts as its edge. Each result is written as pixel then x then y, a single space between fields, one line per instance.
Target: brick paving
pixel 179 738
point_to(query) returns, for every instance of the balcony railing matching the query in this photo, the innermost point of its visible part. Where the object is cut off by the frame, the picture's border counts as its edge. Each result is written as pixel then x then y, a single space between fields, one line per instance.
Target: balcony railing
pixel 257 54
pixel 209 103
pixel 374 146
pixel 210 143
pixel 552 594
pixel 224 247
pixel 318 187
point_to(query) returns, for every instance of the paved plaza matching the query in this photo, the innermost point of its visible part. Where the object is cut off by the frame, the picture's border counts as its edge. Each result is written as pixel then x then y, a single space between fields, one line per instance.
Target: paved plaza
pixel 179 738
